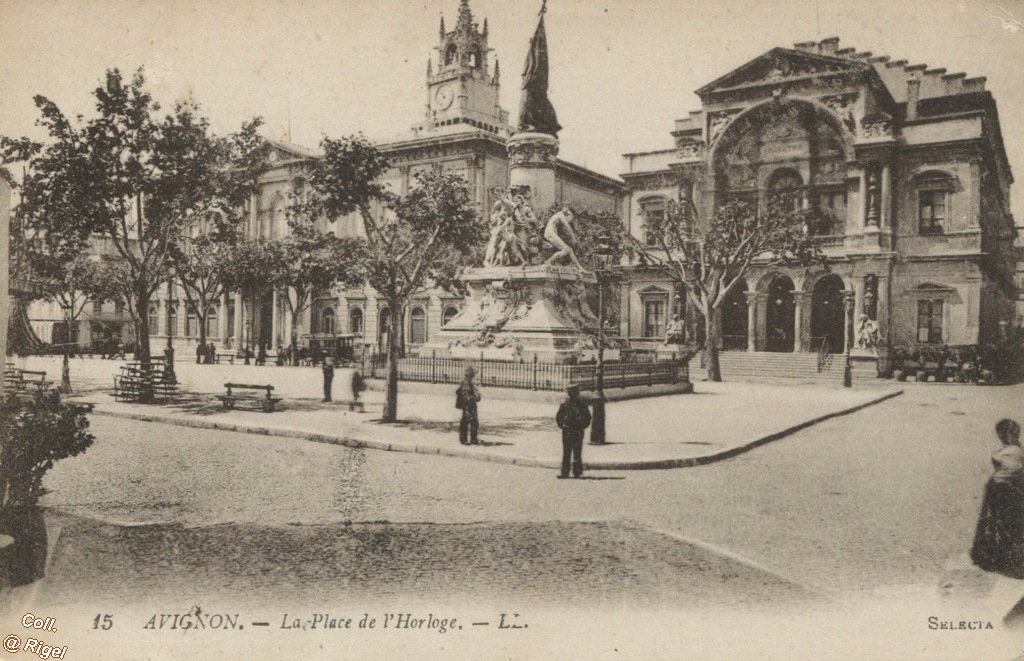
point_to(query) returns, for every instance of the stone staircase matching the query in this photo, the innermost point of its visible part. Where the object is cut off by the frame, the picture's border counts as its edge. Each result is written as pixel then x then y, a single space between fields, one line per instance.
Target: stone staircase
pixel 784 367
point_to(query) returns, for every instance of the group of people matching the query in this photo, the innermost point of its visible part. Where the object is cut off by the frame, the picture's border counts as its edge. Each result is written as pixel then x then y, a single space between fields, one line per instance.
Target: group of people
pixel 573 418
pixel 206 354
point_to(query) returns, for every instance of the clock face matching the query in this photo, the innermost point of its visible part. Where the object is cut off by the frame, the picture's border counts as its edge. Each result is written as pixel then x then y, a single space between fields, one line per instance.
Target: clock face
pixel 445 96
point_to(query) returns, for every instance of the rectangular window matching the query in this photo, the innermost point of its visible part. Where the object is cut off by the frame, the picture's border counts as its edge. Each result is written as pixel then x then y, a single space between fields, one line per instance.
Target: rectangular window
pixel 931 211
pixel 929 321
pixel 654 318
pixel 97 308
pixel 832 206
pixel 652 214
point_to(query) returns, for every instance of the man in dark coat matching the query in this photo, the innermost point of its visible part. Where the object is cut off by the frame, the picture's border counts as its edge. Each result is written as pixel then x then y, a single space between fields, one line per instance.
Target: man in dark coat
pixel 466 398
pixel 328 378
pixel 573 418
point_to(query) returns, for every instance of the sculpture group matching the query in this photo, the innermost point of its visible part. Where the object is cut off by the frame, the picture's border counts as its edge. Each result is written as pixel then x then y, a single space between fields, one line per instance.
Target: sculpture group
pixel 515 239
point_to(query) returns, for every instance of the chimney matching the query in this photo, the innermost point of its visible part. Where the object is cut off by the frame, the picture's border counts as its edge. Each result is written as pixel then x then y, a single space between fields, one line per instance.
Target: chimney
pixel 828 46
pixel 806 46
pixel 913 94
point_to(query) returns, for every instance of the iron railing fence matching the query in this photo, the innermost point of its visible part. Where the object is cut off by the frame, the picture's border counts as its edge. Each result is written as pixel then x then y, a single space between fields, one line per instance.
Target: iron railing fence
pixel 532 375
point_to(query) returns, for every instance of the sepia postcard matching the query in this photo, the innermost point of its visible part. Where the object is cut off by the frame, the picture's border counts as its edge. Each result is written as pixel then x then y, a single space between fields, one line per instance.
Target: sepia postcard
pixel 493 329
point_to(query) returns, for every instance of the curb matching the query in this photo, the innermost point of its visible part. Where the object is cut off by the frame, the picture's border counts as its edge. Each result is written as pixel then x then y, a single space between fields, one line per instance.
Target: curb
pixel 371 444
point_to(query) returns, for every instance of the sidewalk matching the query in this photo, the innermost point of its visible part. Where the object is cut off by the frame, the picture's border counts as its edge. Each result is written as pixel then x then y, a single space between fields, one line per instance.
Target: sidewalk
pixel 718 421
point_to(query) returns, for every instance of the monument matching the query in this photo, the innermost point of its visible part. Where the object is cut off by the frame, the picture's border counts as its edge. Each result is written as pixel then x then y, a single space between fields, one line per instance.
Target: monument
pixel 523 303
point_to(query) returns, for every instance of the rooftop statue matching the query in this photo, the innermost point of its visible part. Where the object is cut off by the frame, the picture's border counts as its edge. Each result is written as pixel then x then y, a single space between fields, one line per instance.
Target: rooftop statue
pixel 536 114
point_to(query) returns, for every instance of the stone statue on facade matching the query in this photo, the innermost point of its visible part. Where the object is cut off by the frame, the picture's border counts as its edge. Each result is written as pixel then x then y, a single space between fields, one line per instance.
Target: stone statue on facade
pixel 675 332
pixel 867 332
pixel 559 233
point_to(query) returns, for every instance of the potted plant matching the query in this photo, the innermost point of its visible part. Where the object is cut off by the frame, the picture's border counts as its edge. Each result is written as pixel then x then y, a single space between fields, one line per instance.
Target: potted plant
pixel 34 434
pixel 899 359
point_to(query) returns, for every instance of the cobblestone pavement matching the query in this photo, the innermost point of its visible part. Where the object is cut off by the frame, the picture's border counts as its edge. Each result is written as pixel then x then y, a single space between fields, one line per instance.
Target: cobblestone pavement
pixel 554 563
pixel 868 502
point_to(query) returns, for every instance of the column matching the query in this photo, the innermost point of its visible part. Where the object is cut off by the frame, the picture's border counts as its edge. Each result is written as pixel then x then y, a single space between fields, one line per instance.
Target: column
pixel 858 297
pixel 847 322
pixel 883 310
pixel 286 330
pixel 862 199
pixel 886 212
pixel 798 320
pixel 751 320
pixel 873 201
pixel 222 319
pixel 239 313
pixel 274 321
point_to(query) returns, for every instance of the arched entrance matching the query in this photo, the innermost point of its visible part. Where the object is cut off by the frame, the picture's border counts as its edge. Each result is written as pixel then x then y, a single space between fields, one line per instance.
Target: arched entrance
pixel 734 318
pixel 780 315
pixel 827 314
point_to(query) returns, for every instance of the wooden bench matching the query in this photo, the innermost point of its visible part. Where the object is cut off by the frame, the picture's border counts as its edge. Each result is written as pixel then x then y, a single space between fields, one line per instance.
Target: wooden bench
pixel 224 355
pixel 16 379
pixel 266 401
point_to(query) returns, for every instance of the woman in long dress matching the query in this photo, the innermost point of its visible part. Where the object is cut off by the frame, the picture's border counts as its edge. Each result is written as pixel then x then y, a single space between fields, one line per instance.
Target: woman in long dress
pixel 999 537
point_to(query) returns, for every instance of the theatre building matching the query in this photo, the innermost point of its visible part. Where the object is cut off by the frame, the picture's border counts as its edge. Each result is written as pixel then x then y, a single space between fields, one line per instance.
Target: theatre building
pixel 905 164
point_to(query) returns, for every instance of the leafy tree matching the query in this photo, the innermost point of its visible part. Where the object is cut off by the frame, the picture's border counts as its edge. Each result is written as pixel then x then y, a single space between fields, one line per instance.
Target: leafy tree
pixel 310 261
pixel 199 268
pixel 134 178
pixel 411 243
pixel 710 259
pixel 72 285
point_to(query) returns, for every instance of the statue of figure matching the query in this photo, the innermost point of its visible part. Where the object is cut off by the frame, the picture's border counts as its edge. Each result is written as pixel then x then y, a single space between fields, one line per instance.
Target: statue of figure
pixel 506 245
pixel 560 233
pixel 674 332
pixel 867 332
pixel 536 114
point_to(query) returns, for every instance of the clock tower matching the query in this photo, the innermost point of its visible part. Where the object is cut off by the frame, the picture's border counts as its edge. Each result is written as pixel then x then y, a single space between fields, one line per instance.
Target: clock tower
pixel 460 86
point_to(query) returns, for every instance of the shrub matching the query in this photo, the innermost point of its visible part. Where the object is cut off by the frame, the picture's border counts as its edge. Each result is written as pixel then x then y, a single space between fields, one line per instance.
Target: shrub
pixel 35 434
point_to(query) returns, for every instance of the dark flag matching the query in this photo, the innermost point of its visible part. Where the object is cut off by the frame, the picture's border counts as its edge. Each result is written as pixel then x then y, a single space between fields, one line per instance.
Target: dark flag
pixel 536 114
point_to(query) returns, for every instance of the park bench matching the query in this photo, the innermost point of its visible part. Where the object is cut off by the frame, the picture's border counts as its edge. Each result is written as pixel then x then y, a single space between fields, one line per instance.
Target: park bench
pixel 17 379
pixel 224 355
pixel 266 401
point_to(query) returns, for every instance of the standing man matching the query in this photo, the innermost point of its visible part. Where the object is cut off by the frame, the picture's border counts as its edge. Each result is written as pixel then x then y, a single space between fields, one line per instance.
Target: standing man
pixel 466 398
pixel 328 378
pixel 573 417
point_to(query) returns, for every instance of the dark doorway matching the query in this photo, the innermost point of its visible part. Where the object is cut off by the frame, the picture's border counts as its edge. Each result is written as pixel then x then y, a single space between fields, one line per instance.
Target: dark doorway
pixel 734 318
pixel 779 316
pixel 827 315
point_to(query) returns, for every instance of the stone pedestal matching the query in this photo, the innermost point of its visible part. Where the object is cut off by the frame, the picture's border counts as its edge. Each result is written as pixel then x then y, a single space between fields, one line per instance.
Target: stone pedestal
pixel 514 313
pixel 532 165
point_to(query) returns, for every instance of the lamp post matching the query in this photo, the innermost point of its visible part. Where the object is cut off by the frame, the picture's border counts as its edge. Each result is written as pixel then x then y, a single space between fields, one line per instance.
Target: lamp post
pixel 848 368
pixel 65 368
pixel 169 375
pixel 602 257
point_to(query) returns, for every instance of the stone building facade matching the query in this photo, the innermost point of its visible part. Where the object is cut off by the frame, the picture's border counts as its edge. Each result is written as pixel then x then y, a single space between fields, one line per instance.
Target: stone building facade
pixel 464 131
pixel 906 165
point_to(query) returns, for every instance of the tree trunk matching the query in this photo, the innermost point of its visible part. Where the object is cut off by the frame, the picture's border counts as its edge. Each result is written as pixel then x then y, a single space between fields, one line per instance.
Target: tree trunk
pixel 711 341
pixel 201 320
pixel 391 383
pixel 293 340
pixel 142 325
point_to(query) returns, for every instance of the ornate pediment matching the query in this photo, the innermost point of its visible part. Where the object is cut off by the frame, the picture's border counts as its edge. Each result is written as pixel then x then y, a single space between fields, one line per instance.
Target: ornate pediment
pixel 781 65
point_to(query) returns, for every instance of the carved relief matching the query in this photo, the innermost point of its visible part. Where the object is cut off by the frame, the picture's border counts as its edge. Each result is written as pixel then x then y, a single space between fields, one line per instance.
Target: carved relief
pixel 877 126
pixel 689 150
pixel 718 121
pixel 842 105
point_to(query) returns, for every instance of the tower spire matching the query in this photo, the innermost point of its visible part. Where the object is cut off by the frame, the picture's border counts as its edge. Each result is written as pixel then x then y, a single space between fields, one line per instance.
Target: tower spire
pixel 465 17
pixel 442 30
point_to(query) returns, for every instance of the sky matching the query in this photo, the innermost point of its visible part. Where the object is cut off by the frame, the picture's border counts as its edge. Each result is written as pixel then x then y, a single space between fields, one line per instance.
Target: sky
pixel 621 70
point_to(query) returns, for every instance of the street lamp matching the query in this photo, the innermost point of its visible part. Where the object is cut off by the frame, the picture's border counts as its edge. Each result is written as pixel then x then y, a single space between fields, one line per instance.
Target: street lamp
pixel 848 368
pixel 65 368
pixel 169 375
pixel 602 259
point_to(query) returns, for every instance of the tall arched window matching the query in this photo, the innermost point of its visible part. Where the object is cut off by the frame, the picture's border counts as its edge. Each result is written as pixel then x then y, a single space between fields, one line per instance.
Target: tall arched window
pixel 191 325
pixel 327 321
pixel 355 321
pixel 172 318
pixel 784 187
pixel 417 326
pixel 154 319
pixel 474 58
pixel 450 312
pixel 450 53
pixel 211 321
